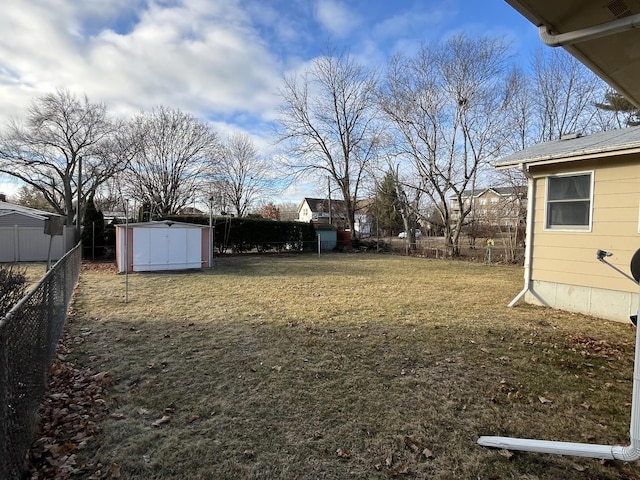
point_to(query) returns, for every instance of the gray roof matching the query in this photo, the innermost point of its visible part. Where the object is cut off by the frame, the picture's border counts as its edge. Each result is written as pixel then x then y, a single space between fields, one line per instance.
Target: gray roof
pixel 6 207
pixel 590 145
pixel 322 204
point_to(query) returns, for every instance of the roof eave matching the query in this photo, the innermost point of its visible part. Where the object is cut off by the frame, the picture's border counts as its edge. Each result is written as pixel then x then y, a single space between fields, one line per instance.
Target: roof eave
pixel 553 159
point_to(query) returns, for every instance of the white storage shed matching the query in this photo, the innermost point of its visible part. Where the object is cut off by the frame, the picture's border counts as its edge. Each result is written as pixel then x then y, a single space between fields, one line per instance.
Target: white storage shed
pixel 161 245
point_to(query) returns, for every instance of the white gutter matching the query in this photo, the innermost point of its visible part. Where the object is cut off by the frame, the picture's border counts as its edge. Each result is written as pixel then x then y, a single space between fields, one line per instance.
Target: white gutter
pixel 589 33
pixel 528 250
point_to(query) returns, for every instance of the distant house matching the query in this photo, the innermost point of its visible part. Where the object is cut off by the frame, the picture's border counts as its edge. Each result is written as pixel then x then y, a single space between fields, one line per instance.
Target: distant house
pixel 496 206
pixel 190 211
pixel 583 195
pixel 321 210
pixel 22 237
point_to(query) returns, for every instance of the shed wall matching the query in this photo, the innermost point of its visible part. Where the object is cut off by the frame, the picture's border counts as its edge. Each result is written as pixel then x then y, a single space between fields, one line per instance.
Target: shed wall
pixel 30 244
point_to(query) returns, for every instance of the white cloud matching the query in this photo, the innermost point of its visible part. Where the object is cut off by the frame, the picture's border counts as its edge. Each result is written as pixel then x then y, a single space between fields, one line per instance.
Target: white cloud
pixel 197 55
pixel 336 18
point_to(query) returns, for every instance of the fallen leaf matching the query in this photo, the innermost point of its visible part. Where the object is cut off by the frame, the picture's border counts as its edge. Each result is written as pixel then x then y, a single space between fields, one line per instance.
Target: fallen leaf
pixel 585 405
pixel 161 421
pixel 276 368
pixel 427 453
pixel 378 466
pixel 545 401
pixel 505 453
pixel 343 453
pixel 411 444
pixel 389 460
pixel 103 378
pixel 248 454
pixel 579 468
pixel 192 418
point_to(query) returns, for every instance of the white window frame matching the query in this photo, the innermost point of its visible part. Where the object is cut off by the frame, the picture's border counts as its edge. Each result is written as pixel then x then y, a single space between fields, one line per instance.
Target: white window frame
pixel 568 228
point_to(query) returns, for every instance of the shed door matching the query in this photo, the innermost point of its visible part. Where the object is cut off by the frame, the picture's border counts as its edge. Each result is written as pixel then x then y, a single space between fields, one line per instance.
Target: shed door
pixel 168 248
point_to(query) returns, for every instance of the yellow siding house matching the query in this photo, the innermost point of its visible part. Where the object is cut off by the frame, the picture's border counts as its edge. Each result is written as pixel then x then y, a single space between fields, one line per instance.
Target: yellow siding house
pixel 583 195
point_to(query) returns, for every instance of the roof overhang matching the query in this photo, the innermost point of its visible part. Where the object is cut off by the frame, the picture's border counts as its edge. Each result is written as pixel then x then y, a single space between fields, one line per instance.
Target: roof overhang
pixel 623 142
pixel 602 34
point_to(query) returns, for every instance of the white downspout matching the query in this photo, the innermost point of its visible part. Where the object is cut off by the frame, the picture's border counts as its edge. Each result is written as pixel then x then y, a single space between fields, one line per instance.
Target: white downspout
pixel 528 241
pixel 629 453
pixel 589 33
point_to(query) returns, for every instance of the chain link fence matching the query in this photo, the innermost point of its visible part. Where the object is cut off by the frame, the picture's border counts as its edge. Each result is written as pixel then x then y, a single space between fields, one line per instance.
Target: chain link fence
pixel 29 334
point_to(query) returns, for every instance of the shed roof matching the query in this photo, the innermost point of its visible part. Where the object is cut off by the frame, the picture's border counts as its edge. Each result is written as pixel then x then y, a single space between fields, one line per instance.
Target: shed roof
pixel 604 144
pixel 162 224
pixel 6 208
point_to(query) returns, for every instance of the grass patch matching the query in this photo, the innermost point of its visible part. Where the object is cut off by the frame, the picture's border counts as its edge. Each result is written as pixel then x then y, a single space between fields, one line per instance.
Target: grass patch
pixel 347 366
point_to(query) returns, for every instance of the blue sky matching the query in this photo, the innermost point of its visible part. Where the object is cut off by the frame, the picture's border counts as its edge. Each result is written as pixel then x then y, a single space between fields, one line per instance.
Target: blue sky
pixel 222 60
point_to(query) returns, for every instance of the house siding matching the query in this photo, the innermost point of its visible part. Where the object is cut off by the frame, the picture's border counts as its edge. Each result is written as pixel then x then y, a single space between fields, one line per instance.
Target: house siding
pixel 565 272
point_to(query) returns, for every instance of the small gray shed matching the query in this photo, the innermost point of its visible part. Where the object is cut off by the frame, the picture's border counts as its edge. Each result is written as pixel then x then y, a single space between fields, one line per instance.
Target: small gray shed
pixel 22 237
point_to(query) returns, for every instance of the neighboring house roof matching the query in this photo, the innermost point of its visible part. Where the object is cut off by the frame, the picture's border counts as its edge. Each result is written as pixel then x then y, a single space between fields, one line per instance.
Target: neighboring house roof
pixel 6 208
pixel 190 211
pixel 321 204
pixel 496 190
pixel 598 145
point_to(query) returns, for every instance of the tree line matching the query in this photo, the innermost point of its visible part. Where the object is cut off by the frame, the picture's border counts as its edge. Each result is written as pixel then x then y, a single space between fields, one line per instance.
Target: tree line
pixel 419 132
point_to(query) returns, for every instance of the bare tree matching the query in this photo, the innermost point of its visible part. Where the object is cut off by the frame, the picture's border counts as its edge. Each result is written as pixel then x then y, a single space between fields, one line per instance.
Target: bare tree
pixel 329 122
pixel 241 176
pixel 63 138
pixel 174 152
pixel 565 92
pixel 448 106
pixel 31 197
pixel 288 211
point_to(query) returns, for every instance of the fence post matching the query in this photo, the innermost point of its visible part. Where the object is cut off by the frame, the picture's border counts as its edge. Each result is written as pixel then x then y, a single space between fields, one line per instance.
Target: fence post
pixel 4 381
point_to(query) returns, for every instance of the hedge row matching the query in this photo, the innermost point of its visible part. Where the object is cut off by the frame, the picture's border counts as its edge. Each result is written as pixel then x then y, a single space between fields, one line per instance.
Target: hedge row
pixel 243 234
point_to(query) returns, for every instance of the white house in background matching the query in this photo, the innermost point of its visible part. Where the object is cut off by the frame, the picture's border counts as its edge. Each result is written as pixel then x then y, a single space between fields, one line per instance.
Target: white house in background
pixel 22 237
pixel 161 245
pixel 321 210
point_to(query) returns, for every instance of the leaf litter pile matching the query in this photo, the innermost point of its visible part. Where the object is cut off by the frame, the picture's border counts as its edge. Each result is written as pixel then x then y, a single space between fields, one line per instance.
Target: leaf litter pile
pixel 340 367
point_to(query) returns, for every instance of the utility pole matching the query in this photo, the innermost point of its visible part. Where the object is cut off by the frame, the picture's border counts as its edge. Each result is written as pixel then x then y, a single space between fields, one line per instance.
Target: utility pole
pixel 329 188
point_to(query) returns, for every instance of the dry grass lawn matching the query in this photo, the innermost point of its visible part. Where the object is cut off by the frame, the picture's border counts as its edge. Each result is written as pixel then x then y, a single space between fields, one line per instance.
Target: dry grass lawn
pixel 346 366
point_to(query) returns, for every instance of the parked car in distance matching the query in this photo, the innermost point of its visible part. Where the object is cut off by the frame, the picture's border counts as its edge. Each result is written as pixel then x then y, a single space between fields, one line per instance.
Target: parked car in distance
pixel 404 234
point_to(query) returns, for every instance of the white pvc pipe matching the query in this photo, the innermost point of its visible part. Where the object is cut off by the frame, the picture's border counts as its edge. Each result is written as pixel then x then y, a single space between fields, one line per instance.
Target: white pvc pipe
pixel 589 33
pixel 546 446
pixel 528 241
